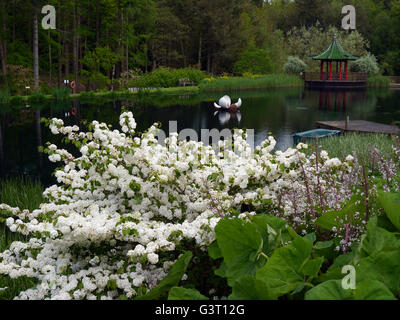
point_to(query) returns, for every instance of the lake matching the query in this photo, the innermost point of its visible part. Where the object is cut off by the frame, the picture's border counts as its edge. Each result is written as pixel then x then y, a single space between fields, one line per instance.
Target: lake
pixel 277 112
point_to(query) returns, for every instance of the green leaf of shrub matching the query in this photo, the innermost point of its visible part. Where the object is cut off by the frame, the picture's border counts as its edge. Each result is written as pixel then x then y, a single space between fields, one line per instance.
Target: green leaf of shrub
pixel 249 288
pixel 171 280
pixel 372 290
pixel 273 230
pixel 240 244
pixel 377 239
pixel 391 204
pixel 214 251
pixel 179 293
pixel 384 267
pixel 329 290
pixel 288 267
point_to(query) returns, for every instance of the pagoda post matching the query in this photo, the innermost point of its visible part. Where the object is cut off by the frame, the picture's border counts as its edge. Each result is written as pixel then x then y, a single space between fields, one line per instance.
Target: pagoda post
pixel 330 70
pixel 345 68
pixel 322 69
pixel 340 70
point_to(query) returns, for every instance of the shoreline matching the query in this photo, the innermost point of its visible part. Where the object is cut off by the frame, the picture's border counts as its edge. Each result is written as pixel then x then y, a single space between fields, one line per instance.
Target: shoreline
pixel 189 90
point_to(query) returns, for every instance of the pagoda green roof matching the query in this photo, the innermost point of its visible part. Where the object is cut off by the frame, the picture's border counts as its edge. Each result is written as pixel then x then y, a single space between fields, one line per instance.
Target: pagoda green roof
pixel 334 52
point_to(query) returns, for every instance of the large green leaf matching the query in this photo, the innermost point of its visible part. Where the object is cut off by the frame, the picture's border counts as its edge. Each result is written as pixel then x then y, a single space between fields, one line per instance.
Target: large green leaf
pixel 249 288
pixel 329 290
pixel 391 204
pixel 273 230
pixel 289 266
pixel 324 249
pixel 384 267
pixel 377 239
pixel 214 251
pixel 372 290
pixel 179 293
pixel 241 244
pixel 171 280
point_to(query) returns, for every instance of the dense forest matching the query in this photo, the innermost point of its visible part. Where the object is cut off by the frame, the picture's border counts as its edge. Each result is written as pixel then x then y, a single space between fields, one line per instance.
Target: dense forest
pixel 100 41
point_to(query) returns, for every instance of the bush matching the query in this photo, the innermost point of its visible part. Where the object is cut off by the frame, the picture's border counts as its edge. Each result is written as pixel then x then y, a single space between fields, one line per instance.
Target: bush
pixel 256 61
pixel 60 94
pixel 37 96
pixel 127 208
pixel 166 78
pixel 378 82
pixel 16 100
pixel 4 97
pixel 294 65
pixel 250 82
pixel 366 64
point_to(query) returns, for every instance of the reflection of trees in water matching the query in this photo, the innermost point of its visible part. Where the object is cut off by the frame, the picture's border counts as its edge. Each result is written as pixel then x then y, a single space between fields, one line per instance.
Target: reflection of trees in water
pixel 38 130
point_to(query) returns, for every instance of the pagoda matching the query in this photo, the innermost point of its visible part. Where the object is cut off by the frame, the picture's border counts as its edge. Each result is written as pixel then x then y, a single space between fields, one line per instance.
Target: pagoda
pixel 335 56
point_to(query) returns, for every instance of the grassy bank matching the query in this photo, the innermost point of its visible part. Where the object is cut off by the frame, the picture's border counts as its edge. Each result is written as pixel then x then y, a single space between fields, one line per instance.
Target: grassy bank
pixel 60 95
pixel 25 194
pixel 360 144
pixel 209 85
pixel 378 82
pixel 245 83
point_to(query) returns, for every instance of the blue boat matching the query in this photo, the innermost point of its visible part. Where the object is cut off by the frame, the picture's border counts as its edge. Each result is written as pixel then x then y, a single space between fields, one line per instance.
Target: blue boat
pixel 313 134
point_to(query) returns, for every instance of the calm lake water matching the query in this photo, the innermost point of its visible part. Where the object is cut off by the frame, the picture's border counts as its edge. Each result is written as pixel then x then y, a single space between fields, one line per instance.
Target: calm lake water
pixel 277 112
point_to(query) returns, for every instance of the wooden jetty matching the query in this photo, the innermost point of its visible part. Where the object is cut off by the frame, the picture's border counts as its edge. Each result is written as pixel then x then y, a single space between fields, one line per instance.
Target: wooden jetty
pixel 359 126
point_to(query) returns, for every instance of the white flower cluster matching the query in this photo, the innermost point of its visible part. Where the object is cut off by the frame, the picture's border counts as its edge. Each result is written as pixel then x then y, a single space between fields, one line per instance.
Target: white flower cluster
pixel 126 200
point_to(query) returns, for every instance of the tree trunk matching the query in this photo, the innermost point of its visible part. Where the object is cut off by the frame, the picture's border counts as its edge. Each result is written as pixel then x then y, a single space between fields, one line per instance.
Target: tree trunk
pixel 35 49
pixel 75 48
pixel 127 43
pixel 66 50
pixel 199 56
pixel 3 42
pixel 50 59
pixel 59 74
pixel 3 59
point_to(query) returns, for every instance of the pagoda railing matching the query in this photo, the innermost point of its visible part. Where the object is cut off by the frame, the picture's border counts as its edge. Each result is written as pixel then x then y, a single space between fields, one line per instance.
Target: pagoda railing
pixel 335 76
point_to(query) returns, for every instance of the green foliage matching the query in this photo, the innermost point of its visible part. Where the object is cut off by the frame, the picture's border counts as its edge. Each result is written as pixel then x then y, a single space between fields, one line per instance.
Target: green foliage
pixel 294 65
pixel 391 204
pixel 367 64
pixel 166 78
pixel 256 61
pixel 241 245
pixel 171 280
pixel 26 194
pixel 290 268
pixel 353 143
pixel 304 42
pixel 378 82
pixel 37 96
pixel 179 293
pixel 97 62
pixel 61 94
pixel 262 82
pixel 4 97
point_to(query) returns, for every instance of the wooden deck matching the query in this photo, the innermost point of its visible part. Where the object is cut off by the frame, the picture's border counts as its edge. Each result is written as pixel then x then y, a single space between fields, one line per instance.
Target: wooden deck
pixel 359 126
pixel 335 80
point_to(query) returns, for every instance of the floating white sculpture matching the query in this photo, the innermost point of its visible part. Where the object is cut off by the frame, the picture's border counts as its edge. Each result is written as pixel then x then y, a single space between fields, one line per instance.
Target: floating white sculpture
pixel 225 103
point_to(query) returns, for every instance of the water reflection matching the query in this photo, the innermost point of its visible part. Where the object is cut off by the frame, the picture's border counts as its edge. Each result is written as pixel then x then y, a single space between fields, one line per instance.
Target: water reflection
pixel 269 112
pixel 225 116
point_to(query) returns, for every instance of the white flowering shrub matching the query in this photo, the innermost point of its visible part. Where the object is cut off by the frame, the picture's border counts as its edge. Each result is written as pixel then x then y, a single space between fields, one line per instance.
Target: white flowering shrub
pixel 122 210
